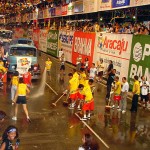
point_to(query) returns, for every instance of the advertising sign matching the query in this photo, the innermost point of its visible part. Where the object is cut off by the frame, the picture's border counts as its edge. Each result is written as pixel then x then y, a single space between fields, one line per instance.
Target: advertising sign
pixel 52 42
pixel 115 47
pixel 35 37
pixel 70 8
pixel 139 61
pixel 104 4
pixel 53 11
pixel 58 11
pixel 40 14
pixel 83 46
pixel 43 40
pixel 120 3
pixel 46 13
pixel 78 6
pixel 23 64
pixel 64 9
pixel 65 43
pixel 139 2
pixel 90 6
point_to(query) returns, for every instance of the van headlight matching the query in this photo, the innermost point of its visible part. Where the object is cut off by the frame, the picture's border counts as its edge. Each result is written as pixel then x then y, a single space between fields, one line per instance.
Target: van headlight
pixel 13 67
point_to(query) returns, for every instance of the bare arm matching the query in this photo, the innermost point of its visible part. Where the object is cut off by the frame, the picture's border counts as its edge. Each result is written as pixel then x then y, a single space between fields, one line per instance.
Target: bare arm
pixel 3 146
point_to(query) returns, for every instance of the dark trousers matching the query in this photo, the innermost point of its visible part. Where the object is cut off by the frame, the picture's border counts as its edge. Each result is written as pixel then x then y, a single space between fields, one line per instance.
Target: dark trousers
pixel 134 102
pixel 108 91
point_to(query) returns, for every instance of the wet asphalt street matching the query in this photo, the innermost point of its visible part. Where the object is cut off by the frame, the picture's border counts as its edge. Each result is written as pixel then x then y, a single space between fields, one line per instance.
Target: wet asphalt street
pixel 57 128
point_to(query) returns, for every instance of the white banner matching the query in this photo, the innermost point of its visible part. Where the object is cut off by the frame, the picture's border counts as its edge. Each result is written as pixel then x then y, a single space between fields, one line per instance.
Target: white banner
pixel 23 64
pixel 90 6
pixel 115 47
pixel 104 5
pixel 139 2
pixel 43 40
pixel 65 43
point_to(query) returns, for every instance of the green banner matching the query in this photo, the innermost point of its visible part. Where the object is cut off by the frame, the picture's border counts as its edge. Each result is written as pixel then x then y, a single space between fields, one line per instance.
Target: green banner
pixel 140 58
pixel 52 42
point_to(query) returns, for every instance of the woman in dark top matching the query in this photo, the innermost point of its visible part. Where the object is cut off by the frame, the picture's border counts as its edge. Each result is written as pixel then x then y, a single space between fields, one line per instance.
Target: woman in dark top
pixel 9 135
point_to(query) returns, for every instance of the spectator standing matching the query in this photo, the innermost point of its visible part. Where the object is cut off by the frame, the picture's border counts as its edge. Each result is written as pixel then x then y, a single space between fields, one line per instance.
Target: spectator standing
pixel 110 80
pixel 124 94
pixel 144 91
pixel 110 67
pixel 93 72
pixel 100 69
pixel 27 78
pixel 136 93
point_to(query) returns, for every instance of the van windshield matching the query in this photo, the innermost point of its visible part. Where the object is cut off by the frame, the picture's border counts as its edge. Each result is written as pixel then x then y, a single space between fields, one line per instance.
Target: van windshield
pixel 23 51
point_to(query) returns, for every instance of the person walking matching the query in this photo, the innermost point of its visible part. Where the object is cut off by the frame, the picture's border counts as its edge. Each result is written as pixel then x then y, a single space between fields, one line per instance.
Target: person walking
pixel 14 84
pixel 20 98
pixel 136 93
pixel 124 94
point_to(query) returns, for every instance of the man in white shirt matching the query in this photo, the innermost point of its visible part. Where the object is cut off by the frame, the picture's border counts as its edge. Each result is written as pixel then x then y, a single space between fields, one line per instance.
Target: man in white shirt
pixel 100 69
pixel 93 71
pixel 144 91
pixel 124 94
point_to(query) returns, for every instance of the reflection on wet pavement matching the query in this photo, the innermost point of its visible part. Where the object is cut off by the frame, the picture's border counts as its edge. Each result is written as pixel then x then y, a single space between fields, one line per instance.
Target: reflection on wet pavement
pixel 57 128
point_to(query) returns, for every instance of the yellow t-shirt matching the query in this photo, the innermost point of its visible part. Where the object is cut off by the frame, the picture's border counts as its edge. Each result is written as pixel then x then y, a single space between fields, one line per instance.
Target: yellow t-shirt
pixel 2 64
pixel 88 93
pixel 118 90
pixel 76 75
pixel 138 85
pixel 15 80
pixel 74 82
pixel 48 65
pixel 2 69
pixel 22 88
pixel 82 78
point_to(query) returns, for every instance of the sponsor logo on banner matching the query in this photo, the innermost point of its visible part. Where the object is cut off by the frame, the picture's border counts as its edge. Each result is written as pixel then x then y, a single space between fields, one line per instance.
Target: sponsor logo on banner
pixel 23 64
pixel 58 11
pixel 120 3
pixel 104 5
pixel 70 8
pixel 43 40
pixel 90 6
pixel 114 47
pixel 65 43
pixel 83 45
pixel 52 42
pixel 140 62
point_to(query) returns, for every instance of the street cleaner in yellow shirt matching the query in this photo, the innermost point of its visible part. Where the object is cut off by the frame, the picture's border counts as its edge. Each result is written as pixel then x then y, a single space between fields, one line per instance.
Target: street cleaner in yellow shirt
pixel 117 92
pixel 136 93
pixel 72 87
pixel 88 104
pixel 48 65
pixel 3 72
pixel 81 96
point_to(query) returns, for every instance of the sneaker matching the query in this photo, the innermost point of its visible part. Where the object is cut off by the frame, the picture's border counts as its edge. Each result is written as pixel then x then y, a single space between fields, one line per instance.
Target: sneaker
pixel 123 112
pixel 118 107
pixel 12 103
pixel 79 108
pixel 83 119
pixel 71 107
pixel 113 106
pixel 14 118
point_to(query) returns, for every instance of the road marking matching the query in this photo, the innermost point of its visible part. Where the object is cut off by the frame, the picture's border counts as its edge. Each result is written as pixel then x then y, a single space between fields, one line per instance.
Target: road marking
pixel 104 143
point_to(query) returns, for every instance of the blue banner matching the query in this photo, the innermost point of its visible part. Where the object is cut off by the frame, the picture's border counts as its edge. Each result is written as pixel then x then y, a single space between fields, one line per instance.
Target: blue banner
pixel 120 3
